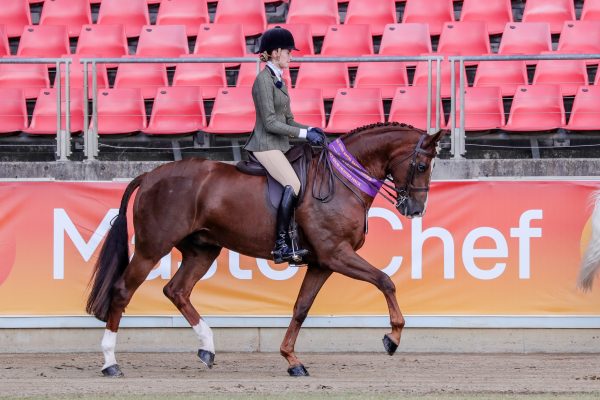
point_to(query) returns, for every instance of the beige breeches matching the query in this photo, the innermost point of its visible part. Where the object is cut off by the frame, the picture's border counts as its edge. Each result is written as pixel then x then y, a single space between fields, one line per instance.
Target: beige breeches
pixel 279 167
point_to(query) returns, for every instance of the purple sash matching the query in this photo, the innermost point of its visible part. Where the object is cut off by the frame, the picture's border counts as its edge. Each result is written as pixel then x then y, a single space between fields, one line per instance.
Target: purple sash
pixel 356 173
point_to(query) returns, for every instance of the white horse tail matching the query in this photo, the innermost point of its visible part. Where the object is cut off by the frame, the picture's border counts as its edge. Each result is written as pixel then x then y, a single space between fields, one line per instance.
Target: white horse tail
pixel 591 259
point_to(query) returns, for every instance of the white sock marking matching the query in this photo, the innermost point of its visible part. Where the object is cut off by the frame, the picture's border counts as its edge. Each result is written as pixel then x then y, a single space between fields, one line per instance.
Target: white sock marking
pixel 205 336
pixel 109 342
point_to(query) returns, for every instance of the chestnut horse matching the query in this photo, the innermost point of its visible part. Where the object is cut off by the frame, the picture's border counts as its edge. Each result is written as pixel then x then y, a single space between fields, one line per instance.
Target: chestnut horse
pixel 197 207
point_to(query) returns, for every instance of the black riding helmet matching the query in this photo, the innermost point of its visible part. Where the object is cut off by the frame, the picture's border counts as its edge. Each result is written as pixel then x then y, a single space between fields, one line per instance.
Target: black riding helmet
pixel 276 38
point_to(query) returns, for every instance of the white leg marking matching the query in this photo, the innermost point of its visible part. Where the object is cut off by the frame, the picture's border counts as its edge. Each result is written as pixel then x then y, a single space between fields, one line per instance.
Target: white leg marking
pixel 109 341
pixel 205 336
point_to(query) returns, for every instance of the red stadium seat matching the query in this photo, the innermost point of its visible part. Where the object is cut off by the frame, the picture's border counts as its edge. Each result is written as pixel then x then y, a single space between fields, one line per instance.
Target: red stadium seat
pixel 507 75
pixel 554 12
pixel 29 77
pixel 432 12
pixel 176 110
pixel 353 108
pixel 526 38
pixel 483 109
pixel 581 37
pixel 585 115
pixel 464 38
pixel 4 47
pixel 43 121
pixel 120 111
pixel 102 41
pixel 495 13
pixel 347 41
pixel 15 15
pixel 190 13
pixel 247 75
pixel 590 11
pixel 386 76
pixel 44 41
pixel 249 13
pixel 76 75
pixel 422 72
pixel 318 13
pixel 307 106
pixel 377 14
pixel 208 77
pixel 71 13
pixel 326 76
pixel 146 77
pixel 568 74
pixel 13 110
pixel 162 41
pixel 405 40
pixel 132 14
pixel 220 40
pixel 410 107
pixel 233 112
pixel 536 108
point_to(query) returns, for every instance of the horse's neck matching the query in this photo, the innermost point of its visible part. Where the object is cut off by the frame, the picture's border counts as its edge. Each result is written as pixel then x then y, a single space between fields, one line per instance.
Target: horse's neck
pixel 371 150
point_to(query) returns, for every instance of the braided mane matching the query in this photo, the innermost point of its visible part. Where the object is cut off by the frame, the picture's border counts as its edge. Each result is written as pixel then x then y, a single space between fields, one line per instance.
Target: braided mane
pixel 379 125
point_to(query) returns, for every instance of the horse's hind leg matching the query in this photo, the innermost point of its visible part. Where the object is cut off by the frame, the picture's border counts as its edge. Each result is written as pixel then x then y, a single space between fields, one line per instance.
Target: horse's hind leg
pixel 196 262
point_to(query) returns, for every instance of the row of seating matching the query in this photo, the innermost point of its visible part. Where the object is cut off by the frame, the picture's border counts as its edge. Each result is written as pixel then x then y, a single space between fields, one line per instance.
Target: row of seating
pixel 179 110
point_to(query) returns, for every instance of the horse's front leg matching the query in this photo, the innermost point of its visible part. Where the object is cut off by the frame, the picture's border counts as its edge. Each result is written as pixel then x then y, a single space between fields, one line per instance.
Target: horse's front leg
pixel 313 282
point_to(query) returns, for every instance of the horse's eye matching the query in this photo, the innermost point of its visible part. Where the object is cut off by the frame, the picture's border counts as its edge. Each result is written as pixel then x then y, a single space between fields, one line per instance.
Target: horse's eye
pixel 422 167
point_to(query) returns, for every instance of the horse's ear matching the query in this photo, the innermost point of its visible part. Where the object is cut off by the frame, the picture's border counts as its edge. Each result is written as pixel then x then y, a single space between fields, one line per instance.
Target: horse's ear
pixel 434 138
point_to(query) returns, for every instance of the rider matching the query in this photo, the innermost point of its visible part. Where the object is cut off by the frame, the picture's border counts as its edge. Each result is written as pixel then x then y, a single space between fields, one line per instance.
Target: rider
pixel 274 126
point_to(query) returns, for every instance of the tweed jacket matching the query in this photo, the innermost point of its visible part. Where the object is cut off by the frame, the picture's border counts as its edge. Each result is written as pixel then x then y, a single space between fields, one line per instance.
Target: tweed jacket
pixel 274 120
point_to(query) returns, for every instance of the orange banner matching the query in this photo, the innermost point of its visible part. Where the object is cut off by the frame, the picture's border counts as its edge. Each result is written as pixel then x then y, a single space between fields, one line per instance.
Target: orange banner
pixel 483 248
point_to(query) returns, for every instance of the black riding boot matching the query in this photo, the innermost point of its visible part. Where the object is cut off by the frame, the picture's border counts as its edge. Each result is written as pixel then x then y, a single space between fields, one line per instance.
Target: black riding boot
pixel 283 251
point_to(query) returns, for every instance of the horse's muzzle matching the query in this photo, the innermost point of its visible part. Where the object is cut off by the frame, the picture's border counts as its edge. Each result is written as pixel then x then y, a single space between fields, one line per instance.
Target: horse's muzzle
pixel 411 208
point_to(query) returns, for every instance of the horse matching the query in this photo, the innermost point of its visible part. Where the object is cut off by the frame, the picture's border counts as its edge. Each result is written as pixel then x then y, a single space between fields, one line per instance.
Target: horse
pixel 590 262
pixel 196 206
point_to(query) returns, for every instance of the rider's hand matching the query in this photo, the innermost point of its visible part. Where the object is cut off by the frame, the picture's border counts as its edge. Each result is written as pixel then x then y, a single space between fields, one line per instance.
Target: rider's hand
pixel 315 136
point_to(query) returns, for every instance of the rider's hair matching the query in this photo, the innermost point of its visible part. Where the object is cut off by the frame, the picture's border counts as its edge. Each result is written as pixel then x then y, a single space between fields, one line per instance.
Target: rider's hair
pixel 264 56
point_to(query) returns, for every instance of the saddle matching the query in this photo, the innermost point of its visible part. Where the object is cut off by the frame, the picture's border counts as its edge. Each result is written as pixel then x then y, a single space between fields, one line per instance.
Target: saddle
pixel 299 157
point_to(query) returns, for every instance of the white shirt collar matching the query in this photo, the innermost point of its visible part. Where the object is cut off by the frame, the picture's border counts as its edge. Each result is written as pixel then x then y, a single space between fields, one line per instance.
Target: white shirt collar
pixel 278 72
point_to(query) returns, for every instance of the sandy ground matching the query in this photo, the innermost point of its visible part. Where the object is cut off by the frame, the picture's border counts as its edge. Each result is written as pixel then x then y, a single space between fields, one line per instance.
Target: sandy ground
pixel 65 375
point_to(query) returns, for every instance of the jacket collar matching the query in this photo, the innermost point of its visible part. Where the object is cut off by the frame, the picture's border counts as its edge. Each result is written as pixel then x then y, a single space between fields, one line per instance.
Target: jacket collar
pixel 283 88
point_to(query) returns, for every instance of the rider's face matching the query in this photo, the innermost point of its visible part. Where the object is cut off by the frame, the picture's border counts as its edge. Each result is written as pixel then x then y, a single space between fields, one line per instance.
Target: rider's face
pixel 282 58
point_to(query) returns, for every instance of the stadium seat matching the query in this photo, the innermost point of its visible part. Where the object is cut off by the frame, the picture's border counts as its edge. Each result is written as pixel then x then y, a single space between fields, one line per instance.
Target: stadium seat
pixel 347 41
pixel 13 110
pixel 15 15
pixel 208 77
pixel 132 14
pixel 76 75
pixel 120 111
pixel 28 77
pixel 176 110
pixel 554 12
pixel 568 74
pixel 585 115
pixel 469 38
pixel 525 38
pixel 591 10
pixel 102 41
pixel 43 121
pixel 44 41
pixel 162 41
pixel 307 106
pixel 422 72
pixel 249 13
pixel 536 108
pixel 483 109
pixel 190 13
pixel 247 75
pixel 220 40
pixel 71 13
pixel 495 13
pixel 410 107
pixel 4 47
pixel 318 13
pixel 146 77
pixel 386 76
pixel 405 40
pixel 353 108
pixel 233 112
pixel 326 76
pixel 507 75
pixel 581 37
pixel 432 12
pixel 377 14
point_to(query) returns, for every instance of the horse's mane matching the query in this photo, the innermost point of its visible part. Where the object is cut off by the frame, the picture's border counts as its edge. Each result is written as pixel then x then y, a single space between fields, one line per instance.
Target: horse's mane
pixel 363 128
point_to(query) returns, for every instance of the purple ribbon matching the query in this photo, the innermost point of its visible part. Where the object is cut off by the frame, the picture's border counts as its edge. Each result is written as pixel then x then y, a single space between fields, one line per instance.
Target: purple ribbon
pixel 351 169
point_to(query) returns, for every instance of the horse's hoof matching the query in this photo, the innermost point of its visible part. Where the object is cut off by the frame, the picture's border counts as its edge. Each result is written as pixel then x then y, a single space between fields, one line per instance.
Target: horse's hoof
pixel 298 370
pixel 113 371
pixel 389 345
pixel 207 357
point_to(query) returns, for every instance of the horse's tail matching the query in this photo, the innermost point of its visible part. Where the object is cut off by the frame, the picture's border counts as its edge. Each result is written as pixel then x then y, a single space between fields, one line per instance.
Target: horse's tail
pixel 591 259
pixel 112 261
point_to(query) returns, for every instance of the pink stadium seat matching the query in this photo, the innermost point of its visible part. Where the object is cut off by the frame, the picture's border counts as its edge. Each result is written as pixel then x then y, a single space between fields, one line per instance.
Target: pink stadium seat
pixel 43 121
pixel 208 77
pixel 43 41
pixel 302 38
pixel 71 13
pixel 483 109
pixel 353 108
pixel 554 12
pixel 410 107
pixel 507 75
pixel 176 110
pixel 495 13
pixel 4 47
pixel 220 40
pixel 591 10
pixel 132 14
pixel 326 76
pixel 76 75
pixel 162 41
pixel 580 37
pixel 102 41
pixel 585 115
pixel 249 13
pixel 190 13
pixel 567 74
pixel 120 111
pixel 13 110
pixel 464 38
pixel 377 14
pixel 318 13
pixel 146 77
pixel 247 75
pixel 233 112
pixel 29 77
pixel 536 108
pixel 347 41
pixel 432 12
pixel 15 15
pixel 422 71
pixel 405 40
pixel 307 106
pixel 526 38
pixel 155 1
pixel 386 76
